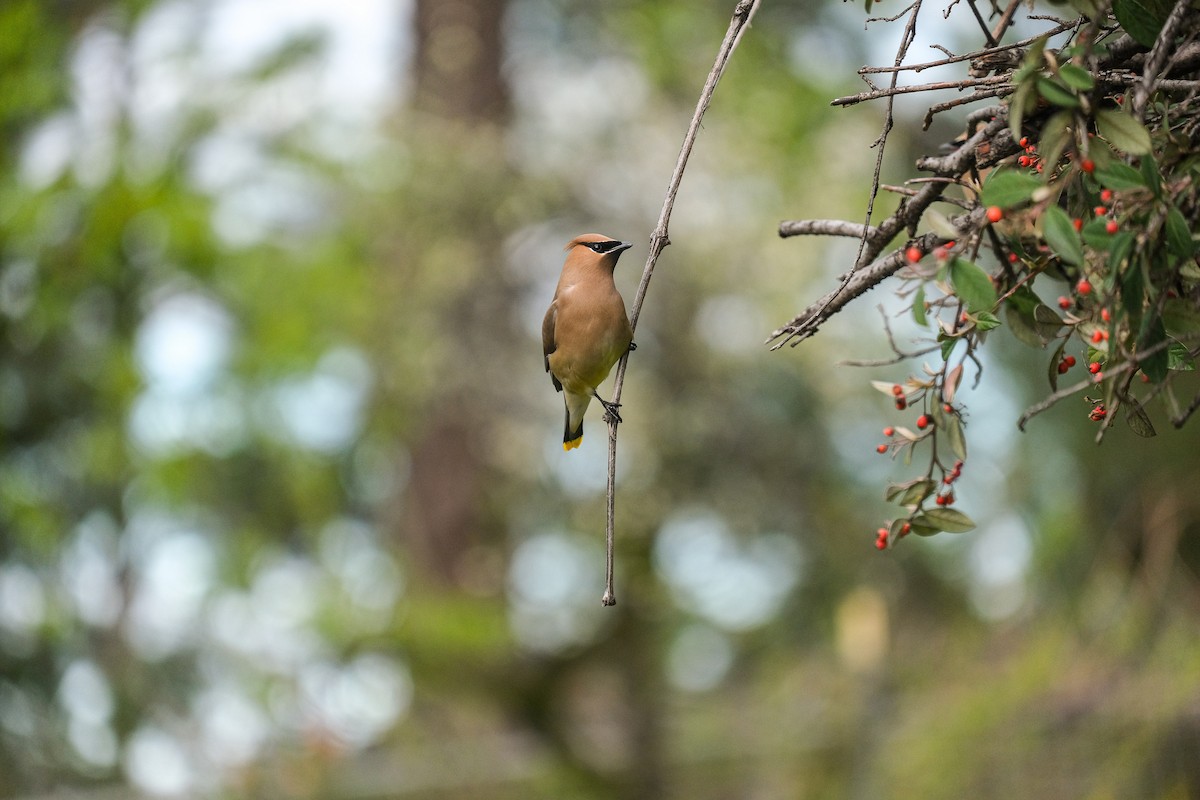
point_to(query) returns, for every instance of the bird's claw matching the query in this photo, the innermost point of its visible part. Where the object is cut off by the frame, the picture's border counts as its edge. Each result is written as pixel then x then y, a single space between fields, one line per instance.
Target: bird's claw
pixel 610 411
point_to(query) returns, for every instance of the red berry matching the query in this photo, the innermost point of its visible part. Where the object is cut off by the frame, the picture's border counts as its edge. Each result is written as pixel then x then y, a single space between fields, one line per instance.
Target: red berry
pixel 881 544
pixel 1100 211
pixel 1063 366
pixel 1064 303
pixel 941 500
pixel 1097 337
pixel 1013 258
pixel 1024 141
pixel 923 421
pixel 1078 223
pixel 949 479
pixel 913 254
pixel 1069 361
pixel 1111 226
pixel 941 254
pixel 881 449
pixel 1106 195
pixel 1088 166
pixel 958 465
pixel 905 529
pixel 901 404
pixel 1094 367
pixel 897 389
pixel 1083 287
pixel 889 431
pixel 995 214
pixel 949 409
pixel 1105 315
pixel 949 498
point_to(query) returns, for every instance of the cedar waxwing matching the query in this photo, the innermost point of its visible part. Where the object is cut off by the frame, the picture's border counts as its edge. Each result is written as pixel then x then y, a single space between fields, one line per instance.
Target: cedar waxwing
pixel 586 329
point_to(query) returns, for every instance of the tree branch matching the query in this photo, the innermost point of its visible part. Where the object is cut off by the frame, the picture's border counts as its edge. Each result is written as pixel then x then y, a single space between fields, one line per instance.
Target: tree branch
pixel 742 14
pixel 868 273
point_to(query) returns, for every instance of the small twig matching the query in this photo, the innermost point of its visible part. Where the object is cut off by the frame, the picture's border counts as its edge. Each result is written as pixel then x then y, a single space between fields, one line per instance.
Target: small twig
pixel 742 14
pixel 966 83
pixel 1157 57
pixel 966 56
pixel 999 91
pixel 900 354
pixel 1181 419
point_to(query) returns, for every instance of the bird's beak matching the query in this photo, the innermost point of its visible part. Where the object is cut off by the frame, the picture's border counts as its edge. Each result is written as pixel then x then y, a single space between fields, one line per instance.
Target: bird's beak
pixel 621 248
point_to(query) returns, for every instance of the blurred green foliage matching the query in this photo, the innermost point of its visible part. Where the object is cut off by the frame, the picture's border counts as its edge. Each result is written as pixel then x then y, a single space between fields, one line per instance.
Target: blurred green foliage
pixel 282 509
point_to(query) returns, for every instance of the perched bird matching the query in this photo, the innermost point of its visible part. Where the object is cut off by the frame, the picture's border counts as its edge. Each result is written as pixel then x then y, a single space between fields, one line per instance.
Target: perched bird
pixel 586 329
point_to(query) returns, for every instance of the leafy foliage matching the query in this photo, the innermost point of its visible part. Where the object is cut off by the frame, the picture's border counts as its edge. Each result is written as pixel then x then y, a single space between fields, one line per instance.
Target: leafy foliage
pixel 1093 181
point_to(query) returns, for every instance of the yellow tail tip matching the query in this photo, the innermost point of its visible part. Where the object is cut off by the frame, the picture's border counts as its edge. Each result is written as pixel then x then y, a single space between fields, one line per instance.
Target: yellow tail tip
pixel 571 445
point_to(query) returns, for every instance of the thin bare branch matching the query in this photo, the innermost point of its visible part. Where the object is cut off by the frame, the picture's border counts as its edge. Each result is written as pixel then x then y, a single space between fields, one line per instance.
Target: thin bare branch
pixel 967 83
pixel 1157 58
pixel 825 227
pixel 743 12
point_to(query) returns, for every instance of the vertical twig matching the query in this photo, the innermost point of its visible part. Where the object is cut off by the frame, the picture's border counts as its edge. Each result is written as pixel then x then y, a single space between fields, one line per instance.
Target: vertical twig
pixel 906 40
pixel 1157 58
pixel 659 239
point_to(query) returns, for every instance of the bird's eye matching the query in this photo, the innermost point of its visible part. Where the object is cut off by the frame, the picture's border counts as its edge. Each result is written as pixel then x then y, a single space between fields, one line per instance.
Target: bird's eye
pixel 596 247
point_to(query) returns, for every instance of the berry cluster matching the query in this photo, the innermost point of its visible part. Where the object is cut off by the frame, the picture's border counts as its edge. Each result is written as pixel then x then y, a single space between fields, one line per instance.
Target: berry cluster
pixel 940 426
pixel 1029 158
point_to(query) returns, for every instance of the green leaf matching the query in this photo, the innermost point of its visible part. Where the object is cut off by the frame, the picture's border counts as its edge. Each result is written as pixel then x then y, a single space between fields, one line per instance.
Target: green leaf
pixel 1119 250
pixel 1179 235
pixel 1030 320
pixel 918 306
pixel 1117 175
pixel 1180 358
pixel 910 493
pixel 1153 333
pixel 1056 135
pixel 1052 368
pixel 1149 169
pixel 1023 101
pixel 1141 19
pixel 921 529
pixel 1139 421
pixel 1077 77
pixel 986 321
pixel 945 519
pixel 972 285
pixel 1008 187
pixel 1181 318
pixel 1123 131
pixel 1056 93
pixel 954 432
pixel 1061 235
pixel 948 344
pixel 1096 235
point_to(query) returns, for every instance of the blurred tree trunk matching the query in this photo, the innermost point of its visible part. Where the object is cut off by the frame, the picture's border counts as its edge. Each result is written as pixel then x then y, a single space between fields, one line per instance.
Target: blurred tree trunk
pixel 459 56
pixel 462 95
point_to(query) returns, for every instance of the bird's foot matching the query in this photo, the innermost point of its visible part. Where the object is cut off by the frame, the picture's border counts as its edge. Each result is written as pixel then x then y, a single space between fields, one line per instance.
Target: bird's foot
pixel 632 346
pixel 610 411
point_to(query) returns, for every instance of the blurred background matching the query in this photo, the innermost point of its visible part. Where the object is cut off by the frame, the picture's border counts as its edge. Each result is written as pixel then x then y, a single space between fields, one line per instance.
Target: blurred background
pixel 283 507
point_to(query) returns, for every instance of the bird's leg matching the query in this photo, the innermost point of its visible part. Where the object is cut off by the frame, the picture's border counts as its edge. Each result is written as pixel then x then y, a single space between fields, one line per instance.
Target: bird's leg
pixel 632 346
pixel 610 409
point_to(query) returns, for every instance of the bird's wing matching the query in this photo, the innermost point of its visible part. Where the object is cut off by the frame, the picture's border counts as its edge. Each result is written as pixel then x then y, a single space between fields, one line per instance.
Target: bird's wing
pixel 549 345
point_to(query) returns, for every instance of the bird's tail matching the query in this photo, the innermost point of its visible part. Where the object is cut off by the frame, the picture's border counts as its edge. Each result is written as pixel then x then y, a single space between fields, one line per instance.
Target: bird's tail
pixel 576 405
